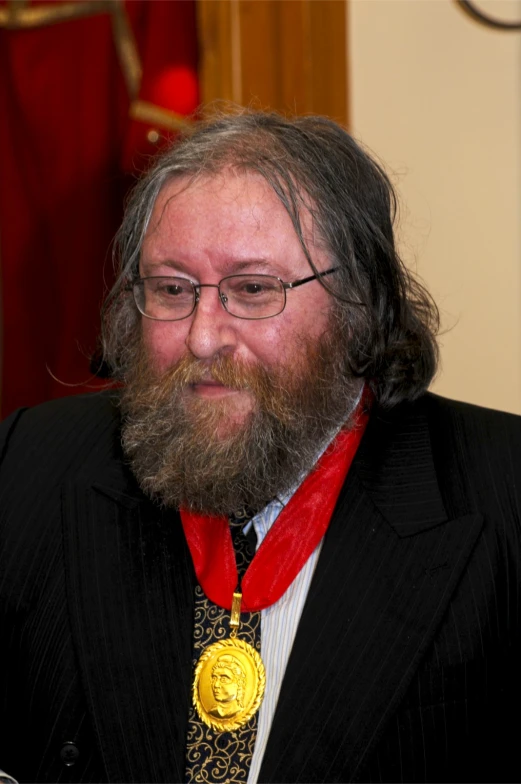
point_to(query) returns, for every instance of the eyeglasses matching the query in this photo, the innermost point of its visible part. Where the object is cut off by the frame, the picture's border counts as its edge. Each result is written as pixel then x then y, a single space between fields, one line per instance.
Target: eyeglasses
pixel 243 296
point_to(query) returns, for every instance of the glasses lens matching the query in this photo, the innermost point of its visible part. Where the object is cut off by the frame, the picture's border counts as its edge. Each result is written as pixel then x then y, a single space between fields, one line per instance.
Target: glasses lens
pixel 253 296
pixel 164 299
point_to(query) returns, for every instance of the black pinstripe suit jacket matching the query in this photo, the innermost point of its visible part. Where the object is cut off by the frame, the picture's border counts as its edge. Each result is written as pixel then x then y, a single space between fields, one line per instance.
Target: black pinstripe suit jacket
pixel 406 664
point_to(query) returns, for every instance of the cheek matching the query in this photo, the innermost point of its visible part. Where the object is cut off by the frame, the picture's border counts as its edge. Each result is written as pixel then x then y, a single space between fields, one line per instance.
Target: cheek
pixel 164 343
pixel 267 344
pixel 280 341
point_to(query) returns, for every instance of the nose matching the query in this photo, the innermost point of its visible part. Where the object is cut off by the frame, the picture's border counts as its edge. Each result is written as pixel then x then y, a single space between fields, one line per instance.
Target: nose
pixel 212 329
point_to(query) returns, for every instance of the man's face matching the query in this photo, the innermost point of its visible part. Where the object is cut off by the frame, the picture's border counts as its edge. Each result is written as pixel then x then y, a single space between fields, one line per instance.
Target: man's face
pixel 222 413
pixel 224 685
pixel 229 224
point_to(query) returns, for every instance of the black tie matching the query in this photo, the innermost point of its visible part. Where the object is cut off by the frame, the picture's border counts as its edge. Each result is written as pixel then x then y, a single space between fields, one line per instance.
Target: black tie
pixel 244 543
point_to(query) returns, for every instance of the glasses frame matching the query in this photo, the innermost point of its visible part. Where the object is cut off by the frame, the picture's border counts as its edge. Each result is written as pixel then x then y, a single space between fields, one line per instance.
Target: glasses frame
pixel 196 287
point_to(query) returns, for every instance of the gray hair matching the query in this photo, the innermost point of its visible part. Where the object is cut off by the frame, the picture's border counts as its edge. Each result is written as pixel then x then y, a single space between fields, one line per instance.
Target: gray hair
pixel 312 164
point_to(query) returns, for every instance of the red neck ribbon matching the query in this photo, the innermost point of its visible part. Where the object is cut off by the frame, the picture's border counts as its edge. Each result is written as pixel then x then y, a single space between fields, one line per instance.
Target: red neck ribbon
pixel 289 542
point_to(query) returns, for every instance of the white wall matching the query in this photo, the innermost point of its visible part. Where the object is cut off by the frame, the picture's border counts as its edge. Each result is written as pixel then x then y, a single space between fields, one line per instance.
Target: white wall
pixel 438 98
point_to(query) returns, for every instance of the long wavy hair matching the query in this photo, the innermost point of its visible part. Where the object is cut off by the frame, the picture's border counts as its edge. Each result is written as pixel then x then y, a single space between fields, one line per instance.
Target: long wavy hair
pixel 312 164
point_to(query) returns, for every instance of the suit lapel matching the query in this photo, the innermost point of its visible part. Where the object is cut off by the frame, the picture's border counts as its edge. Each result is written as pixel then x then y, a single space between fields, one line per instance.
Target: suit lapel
pixel 389 564
pixel 130 584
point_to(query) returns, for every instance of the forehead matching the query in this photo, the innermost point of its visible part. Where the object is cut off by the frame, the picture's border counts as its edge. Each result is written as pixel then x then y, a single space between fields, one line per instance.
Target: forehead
pixel 231 216
pixel 229 192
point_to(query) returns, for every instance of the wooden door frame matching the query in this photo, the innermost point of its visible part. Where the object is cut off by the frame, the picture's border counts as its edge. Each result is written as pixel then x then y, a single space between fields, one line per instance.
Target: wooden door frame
pixel 286 55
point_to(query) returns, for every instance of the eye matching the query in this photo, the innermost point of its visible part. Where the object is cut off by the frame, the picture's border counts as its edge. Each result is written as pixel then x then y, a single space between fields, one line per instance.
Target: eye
pixel 170 288
pixel 173 289
pixel 260 287
pixel 252 288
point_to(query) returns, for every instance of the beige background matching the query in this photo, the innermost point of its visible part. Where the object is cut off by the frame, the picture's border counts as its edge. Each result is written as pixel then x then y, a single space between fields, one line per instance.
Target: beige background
pixel 438 98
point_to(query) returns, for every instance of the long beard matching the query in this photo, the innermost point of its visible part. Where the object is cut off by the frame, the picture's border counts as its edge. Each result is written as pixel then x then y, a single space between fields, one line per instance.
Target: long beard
pixel 192 452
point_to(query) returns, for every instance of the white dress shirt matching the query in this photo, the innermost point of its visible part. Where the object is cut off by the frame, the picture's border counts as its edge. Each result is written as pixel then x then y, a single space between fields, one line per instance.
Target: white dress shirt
pixel 279 625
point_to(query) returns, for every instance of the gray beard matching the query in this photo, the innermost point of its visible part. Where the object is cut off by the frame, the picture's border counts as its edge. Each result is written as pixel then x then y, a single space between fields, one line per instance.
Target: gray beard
pixel 176 447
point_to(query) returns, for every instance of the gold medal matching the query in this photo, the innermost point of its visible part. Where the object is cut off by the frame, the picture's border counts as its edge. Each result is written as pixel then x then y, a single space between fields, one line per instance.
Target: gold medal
pixel 229 680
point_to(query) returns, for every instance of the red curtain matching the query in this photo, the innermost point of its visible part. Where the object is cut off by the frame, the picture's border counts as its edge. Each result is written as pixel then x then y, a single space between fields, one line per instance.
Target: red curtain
pixel 67 151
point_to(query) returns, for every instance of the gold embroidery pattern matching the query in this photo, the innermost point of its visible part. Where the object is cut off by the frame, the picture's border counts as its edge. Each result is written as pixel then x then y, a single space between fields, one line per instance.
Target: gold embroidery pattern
pixel 219 756
pixel 214 757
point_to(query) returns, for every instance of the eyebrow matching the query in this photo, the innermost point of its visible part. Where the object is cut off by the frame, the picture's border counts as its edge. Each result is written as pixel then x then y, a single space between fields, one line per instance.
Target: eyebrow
pixel 233 267
pixel 242 265
pixel 176 265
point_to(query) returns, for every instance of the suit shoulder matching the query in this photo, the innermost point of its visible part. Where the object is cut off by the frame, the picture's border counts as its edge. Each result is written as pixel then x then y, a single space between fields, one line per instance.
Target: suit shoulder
pixel 59 429
pixel 481 445
pixel 478 451
pixel 471 410
pixel 475 422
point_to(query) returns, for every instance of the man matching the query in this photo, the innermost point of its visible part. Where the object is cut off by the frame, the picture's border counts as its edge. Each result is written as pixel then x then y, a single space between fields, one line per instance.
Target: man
pixel 274 354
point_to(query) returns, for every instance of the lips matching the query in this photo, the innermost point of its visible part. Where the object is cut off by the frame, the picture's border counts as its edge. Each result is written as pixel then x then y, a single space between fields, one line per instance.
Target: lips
pixel 208 384
pixel 212 389
pixel 213 383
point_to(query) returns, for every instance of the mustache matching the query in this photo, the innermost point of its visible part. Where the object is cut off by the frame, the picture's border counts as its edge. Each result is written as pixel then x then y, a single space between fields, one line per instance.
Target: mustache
pixel 225 370
pixel 272 391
